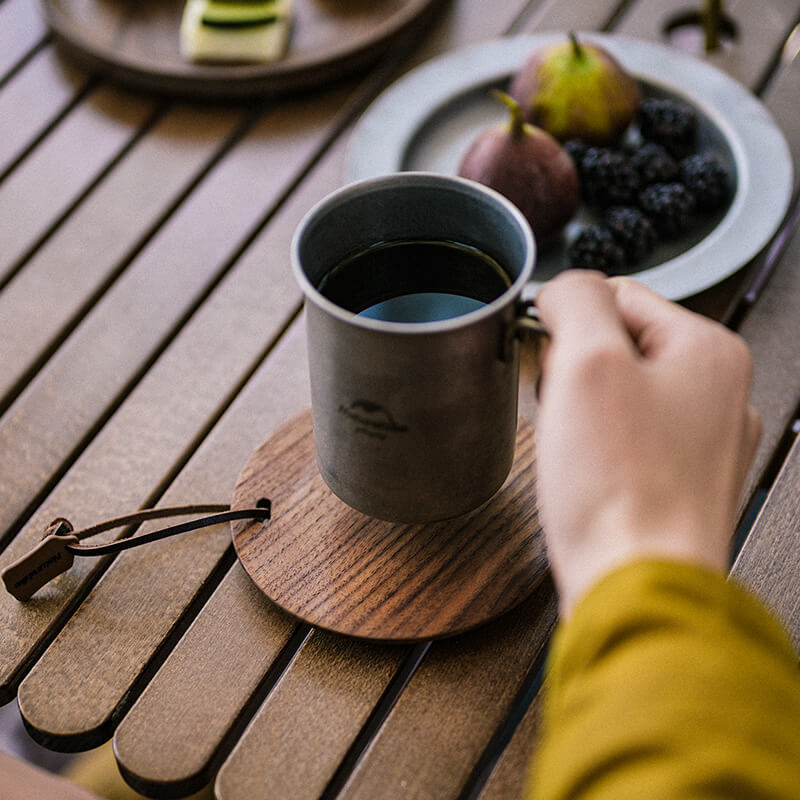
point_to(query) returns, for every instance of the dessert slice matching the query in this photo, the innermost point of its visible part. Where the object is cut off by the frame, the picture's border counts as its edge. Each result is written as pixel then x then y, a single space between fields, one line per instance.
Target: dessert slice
pixel 235 30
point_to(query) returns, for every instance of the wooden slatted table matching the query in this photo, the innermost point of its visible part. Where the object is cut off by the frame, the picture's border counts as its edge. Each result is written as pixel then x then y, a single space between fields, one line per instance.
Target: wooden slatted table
pixel 151 336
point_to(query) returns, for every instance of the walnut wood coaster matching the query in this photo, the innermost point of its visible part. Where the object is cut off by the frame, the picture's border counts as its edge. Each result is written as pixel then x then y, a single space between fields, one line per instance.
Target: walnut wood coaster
pixel 338 569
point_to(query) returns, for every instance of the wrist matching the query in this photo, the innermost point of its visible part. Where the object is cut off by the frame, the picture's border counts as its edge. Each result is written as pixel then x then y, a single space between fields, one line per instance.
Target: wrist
pixel 580 562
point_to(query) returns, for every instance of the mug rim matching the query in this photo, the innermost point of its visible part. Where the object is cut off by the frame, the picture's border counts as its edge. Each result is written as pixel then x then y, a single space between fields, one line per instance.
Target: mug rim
pixel 414 178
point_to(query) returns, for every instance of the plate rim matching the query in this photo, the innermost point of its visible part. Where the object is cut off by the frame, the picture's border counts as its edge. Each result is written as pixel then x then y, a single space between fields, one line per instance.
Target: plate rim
pixel 435 83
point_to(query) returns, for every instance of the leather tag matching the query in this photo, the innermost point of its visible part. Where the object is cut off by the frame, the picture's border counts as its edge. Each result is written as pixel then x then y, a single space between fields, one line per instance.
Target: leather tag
pixel 40 565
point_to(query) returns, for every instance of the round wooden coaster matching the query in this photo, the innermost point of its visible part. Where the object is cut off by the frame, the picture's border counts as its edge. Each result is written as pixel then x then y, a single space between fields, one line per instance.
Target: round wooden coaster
pixel 336 568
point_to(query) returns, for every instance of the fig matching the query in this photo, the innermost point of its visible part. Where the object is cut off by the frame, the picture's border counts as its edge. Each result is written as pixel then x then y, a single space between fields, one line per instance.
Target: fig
pixel 528 166
pixel 577 91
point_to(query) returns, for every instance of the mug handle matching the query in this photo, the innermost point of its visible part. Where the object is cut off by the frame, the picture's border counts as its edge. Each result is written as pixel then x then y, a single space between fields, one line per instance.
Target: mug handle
pixel 526 325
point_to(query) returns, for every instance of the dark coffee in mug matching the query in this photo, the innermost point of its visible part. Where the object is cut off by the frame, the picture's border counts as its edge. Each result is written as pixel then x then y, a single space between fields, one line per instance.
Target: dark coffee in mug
pixel 415 281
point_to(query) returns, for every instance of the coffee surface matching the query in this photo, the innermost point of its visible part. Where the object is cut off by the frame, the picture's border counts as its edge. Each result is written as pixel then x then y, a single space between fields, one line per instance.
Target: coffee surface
pixel 415 281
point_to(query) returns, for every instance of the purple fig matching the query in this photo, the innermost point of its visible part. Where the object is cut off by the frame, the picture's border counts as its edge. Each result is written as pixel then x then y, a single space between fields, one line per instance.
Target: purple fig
pixel 529 167
pixel 577 91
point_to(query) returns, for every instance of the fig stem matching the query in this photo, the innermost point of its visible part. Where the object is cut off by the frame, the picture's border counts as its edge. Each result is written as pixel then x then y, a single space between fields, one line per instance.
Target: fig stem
pixel 516 125
pixel 711 22
pixel 577 48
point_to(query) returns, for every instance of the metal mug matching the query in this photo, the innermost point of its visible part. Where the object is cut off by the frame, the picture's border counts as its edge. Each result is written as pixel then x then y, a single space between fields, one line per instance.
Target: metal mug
pixel 414 421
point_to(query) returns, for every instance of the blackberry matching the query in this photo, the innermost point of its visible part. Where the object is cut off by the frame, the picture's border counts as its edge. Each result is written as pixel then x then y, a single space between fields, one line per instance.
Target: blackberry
pixel 594 248
pixel 607 178
pixel 576 149
pixel 669 206
pixel 670 123
pixel 654 164
pixel 706 177
pixel 632 231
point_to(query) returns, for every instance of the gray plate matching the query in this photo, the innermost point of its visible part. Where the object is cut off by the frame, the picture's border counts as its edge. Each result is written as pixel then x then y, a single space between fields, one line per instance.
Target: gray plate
pixel 428 119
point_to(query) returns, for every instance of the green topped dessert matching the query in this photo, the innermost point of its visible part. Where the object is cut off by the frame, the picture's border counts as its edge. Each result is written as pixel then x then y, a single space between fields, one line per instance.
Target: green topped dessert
pixel 235 30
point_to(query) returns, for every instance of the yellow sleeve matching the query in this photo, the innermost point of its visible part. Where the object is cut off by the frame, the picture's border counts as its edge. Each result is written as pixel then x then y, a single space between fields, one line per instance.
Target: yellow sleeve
pixel 669 681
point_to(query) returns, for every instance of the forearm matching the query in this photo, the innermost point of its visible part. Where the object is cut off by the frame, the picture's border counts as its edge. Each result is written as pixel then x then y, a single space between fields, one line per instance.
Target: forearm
pixel 670 682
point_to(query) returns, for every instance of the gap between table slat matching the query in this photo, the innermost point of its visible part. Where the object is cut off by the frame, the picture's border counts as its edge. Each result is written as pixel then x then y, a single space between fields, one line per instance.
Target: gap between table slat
pixel 36 198
pixel 22 29
pixel 69 274
pixel 769 561
pixel 130 457
pixel 92 372
pixel 33 101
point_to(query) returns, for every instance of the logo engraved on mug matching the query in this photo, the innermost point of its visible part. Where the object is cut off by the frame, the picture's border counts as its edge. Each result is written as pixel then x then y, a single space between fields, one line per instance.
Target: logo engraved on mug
pixel 372 419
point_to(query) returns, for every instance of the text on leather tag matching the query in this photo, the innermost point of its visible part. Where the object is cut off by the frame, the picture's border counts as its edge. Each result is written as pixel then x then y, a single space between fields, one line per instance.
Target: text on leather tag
pixel 40 565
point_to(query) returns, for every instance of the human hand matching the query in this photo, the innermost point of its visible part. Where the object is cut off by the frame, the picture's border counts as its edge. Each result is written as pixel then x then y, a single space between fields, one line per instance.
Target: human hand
pixel 644 433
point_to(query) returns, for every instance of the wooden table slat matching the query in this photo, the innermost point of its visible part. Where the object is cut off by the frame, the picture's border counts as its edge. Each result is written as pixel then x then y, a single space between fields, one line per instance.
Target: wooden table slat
pixel 772 326
pixel 32 100
pixel 470 23
pixel 453 705
pixel 260 294
pixel 557 15
pixel 781 98
pixel 171 735
pixel 302 732
pixel 772 329
pixel 509 777
pixel 762 29
pixel 36 195
pixel 85 253
pixel 136 317
pixel 175 570
pixel 769 562
pixel 22 27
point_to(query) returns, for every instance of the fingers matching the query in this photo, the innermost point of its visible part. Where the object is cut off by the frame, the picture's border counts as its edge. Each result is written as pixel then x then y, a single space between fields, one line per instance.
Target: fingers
pixel 579 310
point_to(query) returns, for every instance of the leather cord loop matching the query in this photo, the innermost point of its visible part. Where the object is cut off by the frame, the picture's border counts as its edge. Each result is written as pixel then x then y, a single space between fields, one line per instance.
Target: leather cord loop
pixel 225 515
pixel 60 543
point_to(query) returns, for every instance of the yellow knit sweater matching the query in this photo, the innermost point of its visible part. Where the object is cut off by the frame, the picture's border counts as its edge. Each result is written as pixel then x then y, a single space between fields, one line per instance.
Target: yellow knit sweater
pixel 670 682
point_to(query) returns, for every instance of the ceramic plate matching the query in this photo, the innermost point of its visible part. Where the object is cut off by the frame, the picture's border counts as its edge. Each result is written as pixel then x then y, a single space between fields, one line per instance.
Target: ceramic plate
pixel 137 43
pixel 428 118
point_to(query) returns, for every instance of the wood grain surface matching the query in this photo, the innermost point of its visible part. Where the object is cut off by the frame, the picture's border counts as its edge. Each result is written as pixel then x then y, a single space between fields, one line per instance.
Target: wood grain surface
pixel 305 727
pixel 141 49
pixel 56 175
pixel 769 562
pixel 150 340
pixel 21 30
pixel 446 718
pixel 761 30
pixel 555 15
pixel 336 568
pixel 239 634
pixel 32 104
pixel 92 248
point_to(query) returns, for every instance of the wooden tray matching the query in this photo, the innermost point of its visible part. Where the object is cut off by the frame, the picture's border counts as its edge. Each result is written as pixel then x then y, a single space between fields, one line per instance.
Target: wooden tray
pixel 136 42
pixel 338 569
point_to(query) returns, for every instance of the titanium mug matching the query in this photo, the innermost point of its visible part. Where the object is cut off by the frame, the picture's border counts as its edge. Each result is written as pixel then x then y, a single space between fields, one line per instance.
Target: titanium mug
pixel 414 421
